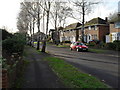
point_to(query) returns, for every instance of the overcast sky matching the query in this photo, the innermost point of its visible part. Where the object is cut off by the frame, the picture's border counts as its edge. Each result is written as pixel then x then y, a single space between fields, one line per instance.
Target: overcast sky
pixel 9 10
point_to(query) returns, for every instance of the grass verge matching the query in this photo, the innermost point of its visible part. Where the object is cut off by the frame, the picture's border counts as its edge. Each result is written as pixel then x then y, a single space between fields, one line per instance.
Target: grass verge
pixel 19 81
pixel 96 50
pixel 64 45
pixel 71 77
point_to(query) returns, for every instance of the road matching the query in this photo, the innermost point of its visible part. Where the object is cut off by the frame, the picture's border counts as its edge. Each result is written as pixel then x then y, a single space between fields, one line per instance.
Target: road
pixel 102 66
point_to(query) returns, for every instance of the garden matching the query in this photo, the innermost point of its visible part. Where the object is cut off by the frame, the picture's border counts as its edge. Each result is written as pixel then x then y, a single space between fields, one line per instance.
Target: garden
pixel 12 58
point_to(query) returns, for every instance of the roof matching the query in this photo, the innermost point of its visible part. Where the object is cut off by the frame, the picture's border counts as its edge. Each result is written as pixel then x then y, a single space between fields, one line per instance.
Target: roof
pixel 73 26
pixel 97 20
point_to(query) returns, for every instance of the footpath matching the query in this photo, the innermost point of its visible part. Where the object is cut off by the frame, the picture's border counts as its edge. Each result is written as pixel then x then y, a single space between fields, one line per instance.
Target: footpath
pixel 38 74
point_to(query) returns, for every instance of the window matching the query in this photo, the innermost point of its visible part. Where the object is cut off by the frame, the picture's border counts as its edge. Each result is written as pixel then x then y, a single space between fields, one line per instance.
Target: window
pixel 95 28
pixel 89 27
pixel 94 36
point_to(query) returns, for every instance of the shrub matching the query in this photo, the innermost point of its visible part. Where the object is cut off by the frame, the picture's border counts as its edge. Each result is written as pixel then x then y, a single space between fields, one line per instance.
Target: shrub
pixel 117 43
pixel 14 44
pixel 92 44
pixel 101 44
pixel 114 46
pixel 5 34
pixel 111 46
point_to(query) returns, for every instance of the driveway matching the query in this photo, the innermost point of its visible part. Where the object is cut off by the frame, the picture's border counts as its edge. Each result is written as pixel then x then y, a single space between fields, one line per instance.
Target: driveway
pixel 102 66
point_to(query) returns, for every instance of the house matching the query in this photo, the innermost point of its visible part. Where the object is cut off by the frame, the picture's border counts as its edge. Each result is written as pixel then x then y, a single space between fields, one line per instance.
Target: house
pixel 114 32
pixel 114 28
pixel 69 33
pixel 55 34
pixel 39 35
pixel 95 29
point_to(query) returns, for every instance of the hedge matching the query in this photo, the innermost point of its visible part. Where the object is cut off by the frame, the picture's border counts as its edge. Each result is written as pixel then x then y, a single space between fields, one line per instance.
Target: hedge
pixel 14 44
pixel 114 46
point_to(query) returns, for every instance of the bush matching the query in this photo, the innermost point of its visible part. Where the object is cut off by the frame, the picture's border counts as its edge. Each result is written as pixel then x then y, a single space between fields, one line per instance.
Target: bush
pixel 114 46
pixel 117 43
pixel 92 44
pixel 111 46
pixel 5 34
pixel 101 44
pixel 14 44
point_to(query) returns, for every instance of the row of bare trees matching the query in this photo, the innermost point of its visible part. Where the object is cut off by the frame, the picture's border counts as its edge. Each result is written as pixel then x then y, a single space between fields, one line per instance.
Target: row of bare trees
pixel 36 12
pixel 30 16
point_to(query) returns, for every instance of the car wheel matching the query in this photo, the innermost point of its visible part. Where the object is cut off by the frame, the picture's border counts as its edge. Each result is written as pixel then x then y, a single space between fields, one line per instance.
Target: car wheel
pixel 78 50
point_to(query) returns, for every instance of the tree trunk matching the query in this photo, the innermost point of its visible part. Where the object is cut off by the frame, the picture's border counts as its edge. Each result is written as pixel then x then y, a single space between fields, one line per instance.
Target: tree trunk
pixel 38 45
pixel 83 19
pixel 33 31
pixel 44 46
pixel 44 42
pixel 30 34
pixel 38 25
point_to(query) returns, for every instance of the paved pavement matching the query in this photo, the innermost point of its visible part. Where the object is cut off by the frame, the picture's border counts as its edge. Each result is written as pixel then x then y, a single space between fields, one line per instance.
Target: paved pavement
pixel 38 74
pixel 103 66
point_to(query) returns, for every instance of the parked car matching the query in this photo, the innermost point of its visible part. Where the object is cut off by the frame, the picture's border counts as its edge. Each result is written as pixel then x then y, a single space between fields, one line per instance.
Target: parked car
pixel 78 46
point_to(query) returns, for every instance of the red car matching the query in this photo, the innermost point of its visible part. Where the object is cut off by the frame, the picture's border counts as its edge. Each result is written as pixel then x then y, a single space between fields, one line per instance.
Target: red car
pixel 78 46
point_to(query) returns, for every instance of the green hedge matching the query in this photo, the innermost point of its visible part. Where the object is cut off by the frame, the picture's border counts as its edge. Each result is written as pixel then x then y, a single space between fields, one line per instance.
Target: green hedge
pixel 114 46
pixel 92 44
pixel 14 44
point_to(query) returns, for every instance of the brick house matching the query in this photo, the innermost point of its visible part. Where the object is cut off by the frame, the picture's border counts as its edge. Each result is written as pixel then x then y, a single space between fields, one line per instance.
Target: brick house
pixel 114 28
pixel 95 29
pixel 114 32
pixel 70 33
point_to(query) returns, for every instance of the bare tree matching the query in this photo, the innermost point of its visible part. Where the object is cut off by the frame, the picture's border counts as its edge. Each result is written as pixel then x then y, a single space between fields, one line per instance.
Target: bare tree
pixel 114 17
pixel 29 9
pixel 59 12
pixel 47 9
pixel 23 20
pixel 83 7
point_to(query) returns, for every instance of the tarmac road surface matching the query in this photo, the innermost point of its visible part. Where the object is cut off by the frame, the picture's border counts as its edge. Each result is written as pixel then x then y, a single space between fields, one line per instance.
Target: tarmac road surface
pixel 102 66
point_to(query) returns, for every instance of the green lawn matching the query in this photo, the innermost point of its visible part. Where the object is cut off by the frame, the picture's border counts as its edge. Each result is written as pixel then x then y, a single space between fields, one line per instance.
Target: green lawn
pixel 70 75
pixel 97 50
pixel 63 46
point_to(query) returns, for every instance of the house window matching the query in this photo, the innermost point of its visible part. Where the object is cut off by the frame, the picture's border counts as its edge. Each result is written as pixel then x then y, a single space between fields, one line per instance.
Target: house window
pixel 94 36
pixel 95 28
pixel 89 27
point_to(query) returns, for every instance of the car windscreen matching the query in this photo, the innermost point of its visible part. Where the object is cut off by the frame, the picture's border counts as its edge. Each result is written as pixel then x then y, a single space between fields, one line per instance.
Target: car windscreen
pixel 80 44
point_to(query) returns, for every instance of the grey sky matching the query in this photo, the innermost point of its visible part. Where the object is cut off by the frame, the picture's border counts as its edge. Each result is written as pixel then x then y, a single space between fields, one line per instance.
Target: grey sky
pixel 9 10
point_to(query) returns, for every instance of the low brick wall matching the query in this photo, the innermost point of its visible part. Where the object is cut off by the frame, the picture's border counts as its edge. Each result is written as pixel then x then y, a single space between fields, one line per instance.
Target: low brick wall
pixel 4 78
pixel 10 75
